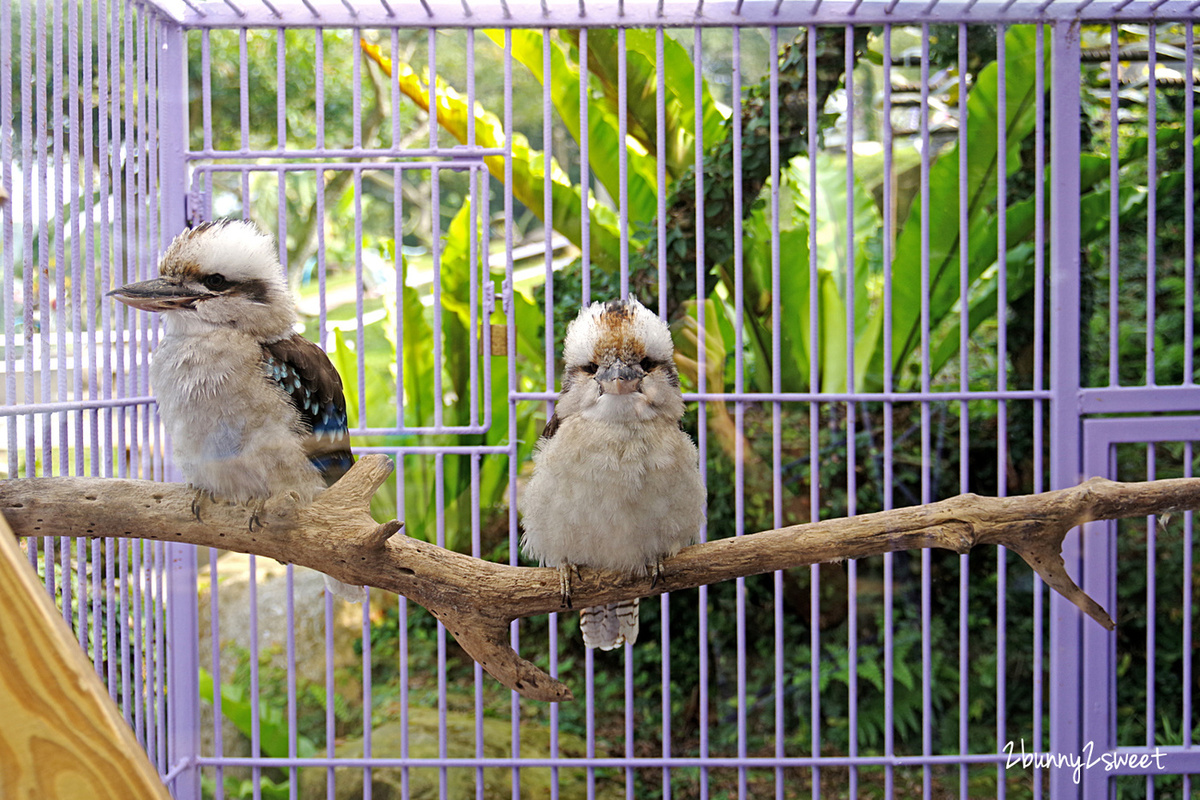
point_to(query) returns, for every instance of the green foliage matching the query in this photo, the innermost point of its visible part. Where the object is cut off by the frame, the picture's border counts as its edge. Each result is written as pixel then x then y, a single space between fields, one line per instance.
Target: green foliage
pixel 245 788
pixel 273 728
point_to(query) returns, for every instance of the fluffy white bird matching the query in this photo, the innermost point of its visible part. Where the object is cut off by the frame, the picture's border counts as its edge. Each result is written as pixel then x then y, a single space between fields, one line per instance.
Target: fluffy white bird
pixel 253 409
pixel 616 483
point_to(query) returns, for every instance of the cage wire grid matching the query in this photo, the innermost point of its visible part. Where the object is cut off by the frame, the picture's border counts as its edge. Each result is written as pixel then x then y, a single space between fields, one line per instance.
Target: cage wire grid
pixel 124 122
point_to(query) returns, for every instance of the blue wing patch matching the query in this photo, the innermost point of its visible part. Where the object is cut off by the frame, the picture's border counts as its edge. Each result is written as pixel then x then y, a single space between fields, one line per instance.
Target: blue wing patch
pixel 306 375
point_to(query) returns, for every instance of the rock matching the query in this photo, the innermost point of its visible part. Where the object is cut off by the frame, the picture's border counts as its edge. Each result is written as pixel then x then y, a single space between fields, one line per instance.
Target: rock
pixel 233 577
pixel 423 782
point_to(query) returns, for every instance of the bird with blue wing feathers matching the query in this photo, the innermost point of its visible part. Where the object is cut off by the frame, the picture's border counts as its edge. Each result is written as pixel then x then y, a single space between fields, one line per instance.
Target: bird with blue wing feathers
pixel 253 409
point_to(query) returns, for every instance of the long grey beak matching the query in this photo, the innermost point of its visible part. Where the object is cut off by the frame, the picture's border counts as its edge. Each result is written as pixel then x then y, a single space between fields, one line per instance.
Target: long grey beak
pixel 159 294
pixel 620 378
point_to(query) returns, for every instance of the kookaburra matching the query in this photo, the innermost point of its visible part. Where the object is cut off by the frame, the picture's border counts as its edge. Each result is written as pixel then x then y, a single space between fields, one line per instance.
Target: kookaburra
pixel 616 483
pixel 253 409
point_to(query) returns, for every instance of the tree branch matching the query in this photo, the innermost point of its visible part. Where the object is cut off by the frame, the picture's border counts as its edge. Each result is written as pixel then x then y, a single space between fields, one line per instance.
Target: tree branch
pixel 476 599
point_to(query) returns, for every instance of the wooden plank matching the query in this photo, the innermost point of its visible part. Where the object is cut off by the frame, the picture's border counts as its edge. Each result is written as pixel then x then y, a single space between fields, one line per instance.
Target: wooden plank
pixel 61 735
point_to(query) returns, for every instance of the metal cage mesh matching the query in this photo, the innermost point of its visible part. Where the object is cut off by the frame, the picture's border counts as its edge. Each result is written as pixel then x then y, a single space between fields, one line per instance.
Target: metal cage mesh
pixel 903 300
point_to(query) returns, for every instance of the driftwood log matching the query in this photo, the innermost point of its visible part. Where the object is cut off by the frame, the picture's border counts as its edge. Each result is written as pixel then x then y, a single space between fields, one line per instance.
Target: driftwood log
pixel 476 599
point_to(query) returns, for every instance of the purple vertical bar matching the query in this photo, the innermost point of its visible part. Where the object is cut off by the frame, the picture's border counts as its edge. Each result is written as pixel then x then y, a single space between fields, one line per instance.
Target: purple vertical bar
pixel 368 726
pixel 255 717
pixel 1065 433
pixel 244 91
pixel 776 386
pixel 1001 386
pixel 476 273
pixel 1039 324
pixel 964 283
pixel 6 234
pixel 889 672
pixel 45 224
pixel 181 601
pixel 360 348
pixel 623 155
pixel 585 179
pixel 660 114
pixel 290 617
pixel 548 263
pixel 1151 577
pixel 511 334
pixel 331 686
pixel 702 376
pixel 477 552
pixel 435 238
pixel 1114 209
pixel 1188 613
pixel 851 463
pixel 214 638
pixel 1151 210
pixel 1189 207
pixel 206 87
pixel 57 320
pixel 319 75
pixel 661 176
pixel 926 445
pixel 28 173
pixel 60 288
pixel 281 89
pixel 431 47
pixel 814 417
pixel 739 414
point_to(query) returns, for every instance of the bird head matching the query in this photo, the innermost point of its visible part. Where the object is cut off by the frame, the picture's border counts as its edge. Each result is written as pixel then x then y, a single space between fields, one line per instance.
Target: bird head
pixel 620 364
pixel 218 275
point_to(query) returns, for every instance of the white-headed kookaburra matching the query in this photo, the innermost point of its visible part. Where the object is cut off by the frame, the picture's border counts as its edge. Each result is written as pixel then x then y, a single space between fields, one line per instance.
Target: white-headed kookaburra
pixel 616 483
pixel 253 409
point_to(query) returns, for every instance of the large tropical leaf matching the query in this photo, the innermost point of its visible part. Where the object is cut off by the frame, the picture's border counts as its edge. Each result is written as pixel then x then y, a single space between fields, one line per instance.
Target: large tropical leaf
pixel 603 125
pixel 528 165
pixel 679 104
pixel 983 127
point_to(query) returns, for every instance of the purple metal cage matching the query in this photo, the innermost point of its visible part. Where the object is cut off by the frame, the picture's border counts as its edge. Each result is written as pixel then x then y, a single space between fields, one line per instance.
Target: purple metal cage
pixel 123 122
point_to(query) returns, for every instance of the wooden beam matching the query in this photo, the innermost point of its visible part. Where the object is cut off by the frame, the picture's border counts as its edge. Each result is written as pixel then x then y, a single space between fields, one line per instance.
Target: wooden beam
pixel 62 735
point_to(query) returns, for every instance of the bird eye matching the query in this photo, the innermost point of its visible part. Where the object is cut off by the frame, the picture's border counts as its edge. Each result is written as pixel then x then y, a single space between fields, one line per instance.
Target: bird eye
pixel 648 364
pixel 590 368
pixel 215 282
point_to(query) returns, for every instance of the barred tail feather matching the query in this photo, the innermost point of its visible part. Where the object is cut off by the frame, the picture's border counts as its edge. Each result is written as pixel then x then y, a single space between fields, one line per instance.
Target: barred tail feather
pixel 610 626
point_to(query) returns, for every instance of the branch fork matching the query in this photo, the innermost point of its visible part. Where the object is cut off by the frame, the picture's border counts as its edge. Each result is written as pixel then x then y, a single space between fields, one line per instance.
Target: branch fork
pixel 476 600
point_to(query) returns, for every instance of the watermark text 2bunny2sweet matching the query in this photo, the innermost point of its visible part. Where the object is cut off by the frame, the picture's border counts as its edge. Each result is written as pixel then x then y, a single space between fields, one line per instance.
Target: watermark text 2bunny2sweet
pixel 1086 758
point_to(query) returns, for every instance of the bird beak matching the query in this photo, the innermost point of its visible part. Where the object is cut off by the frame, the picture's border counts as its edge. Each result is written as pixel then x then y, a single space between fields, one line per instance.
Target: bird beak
pixel 620 378
pixel 159 294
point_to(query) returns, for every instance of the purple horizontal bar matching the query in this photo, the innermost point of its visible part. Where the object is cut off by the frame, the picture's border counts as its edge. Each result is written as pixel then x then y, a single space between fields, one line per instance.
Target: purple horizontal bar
pixel 671 13
pixel 1156 429
pixel 419 430
pixel 386 152
pixel 448 449
pixel 68 406
pixel 1139 399
pixel 465 162
pixel 623 763
pixel 833 397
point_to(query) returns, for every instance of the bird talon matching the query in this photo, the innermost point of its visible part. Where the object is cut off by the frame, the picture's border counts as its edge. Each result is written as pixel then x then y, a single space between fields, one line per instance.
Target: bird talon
pixel 255 523
pixel 656 573
pixel 564 583
pixel 198 503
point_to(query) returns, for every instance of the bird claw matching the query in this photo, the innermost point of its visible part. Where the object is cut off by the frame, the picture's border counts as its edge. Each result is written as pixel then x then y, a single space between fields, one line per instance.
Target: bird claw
pixel 198 503
pixel 565 573
pixel 255 523
pixel 656 573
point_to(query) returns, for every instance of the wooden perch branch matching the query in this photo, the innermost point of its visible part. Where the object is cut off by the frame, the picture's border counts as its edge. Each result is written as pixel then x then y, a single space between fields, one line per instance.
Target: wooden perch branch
pixel 477 600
